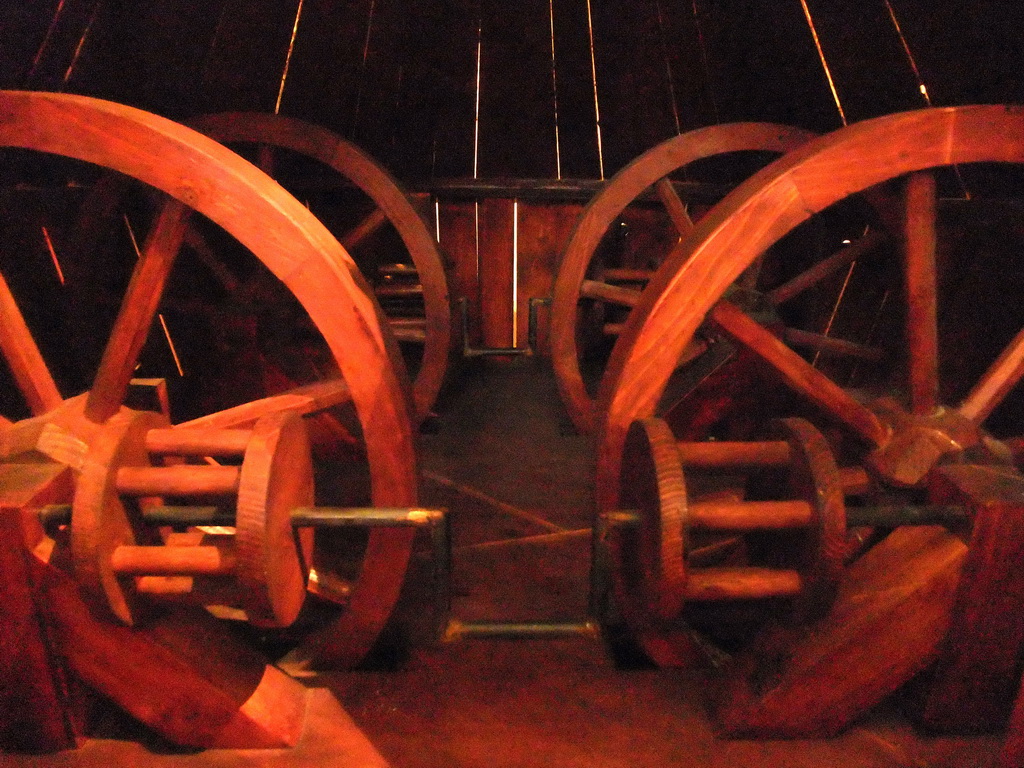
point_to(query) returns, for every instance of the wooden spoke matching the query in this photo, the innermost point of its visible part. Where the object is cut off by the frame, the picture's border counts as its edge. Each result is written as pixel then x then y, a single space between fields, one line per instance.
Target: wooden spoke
pixel 650 169
pixel 831 346
pixel 799 374
pixel 922 324
pixel 613 294
pixel 829 266
pixel 627 275
pixel 391 203
pixel 675 207
pixel 265 158
pixel 195 240
pixel 137 311
pixel 374 221
pixel 23 356
pixel 306 400
pixel 409 329
pixel 1003 375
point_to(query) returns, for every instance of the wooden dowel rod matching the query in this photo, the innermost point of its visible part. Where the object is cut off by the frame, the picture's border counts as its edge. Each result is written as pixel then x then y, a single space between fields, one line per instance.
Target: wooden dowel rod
pixel 407 322
pixel 714 454
pixel 398 291
pixel 741 583
pixel 415 335
pixel 750 515
pixel 183 480
pixel 627 275
pixel 615 294
pixel 855 480
pixel 165 586
pixel 198 442
pixel 171 561
pixel 613 329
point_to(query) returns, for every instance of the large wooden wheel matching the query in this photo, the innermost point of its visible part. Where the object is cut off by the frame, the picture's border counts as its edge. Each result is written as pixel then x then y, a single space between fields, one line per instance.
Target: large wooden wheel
pixel 580 281
pixel 201 175
pixel 888 438
pixel 391 206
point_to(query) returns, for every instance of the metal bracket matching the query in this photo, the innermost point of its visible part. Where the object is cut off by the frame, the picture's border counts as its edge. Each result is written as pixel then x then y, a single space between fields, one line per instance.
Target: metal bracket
pixel 530 349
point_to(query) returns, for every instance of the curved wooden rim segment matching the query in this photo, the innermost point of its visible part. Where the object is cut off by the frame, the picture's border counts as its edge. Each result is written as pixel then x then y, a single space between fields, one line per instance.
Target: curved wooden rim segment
pixel 753 217
pixel 297 248
pixel 600 214
pixel 332 150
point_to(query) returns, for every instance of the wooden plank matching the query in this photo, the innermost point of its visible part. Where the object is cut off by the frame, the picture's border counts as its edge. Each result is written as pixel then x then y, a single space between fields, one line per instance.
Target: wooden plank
pixel 35 713
pixel 458 241
pixel 543 233
pixel 496 272
pixel 185 675
pixel 887 624
pixel 576 120
pixel 975 680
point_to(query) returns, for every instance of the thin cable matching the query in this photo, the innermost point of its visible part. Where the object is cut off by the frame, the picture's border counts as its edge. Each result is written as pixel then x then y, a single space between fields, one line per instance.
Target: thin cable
pixel 46 42
pixel 515 273
pixel 597 106
pixel 362 71
pixel 288 58
pixel 81 43
pixel 476 108
pixel 824 63
pixel 910 56
pixel 668 67
pixel 53 255
pixel 554 90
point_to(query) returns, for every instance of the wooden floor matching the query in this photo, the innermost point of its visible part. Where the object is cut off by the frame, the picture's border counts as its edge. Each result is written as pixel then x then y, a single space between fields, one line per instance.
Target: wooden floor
pixel 518 483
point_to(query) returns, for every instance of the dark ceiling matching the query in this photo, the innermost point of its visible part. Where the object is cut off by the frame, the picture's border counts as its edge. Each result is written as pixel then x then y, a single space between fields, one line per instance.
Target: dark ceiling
pixel 400 77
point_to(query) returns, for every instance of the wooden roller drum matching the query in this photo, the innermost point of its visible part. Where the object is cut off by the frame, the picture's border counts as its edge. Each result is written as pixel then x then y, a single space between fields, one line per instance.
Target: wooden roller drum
pixel 137 460
pixel 806 523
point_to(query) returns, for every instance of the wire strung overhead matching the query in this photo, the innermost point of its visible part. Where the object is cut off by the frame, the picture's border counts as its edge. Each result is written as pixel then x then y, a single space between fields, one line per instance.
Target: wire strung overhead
pixel 824 61
pixel 288 58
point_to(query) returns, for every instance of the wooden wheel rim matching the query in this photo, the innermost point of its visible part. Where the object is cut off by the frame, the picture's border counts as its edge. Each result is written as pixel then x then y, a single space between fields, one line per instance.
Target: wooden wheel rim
pixel 327 147
pixel 300 251
pixel 601 212
pixel 753 217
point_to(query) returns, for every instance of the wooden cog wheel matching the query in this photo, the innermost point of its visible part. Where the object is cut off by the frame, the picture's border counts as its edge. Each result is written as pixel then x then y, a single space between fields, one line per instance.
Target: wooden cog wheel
pixel 891 431
pixel 795 544
pixel 95 433
pixel 582 278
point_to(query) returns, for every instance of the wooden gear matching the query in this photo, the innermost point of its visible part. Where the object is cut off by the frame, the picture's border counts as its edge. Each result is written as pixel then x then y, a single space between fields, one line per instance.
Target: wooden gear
pixel 202 175
pixel 904 446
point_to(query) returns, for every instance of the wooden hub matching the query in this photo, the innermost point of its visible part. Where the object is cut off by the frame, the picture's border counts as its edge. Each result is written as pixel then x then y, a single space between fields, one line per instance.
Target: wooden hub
pixel 137 460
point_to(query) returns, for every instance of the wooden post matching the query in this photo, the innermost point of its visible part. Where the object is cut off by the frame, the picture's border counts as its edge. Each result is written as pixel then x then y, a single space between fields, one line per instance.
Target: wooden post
pixel 497 220
pixel 887 624
pixel 36 711
pixel 974 683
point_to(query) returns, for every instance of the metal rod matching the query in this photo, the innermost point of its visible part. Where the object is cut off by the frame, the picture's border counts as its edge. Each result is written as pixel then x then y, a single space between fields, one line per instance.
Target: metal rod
pixel 55 515
pixel 460 630
pixel 882 516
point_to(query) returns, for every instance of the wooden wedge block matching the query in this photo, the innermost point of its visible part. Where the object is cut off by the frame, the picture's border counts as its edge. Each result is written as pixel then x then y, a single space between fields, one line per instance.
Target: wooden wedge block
pixel 887 624
pixel 184 676
pixel 974 682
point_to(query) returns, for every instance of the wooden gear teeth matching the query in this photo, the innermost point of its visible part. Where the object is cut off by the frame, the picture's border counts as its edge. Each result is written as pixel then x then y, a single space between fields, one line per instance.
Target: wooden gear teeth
pixel 807 530
pixel 261 567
